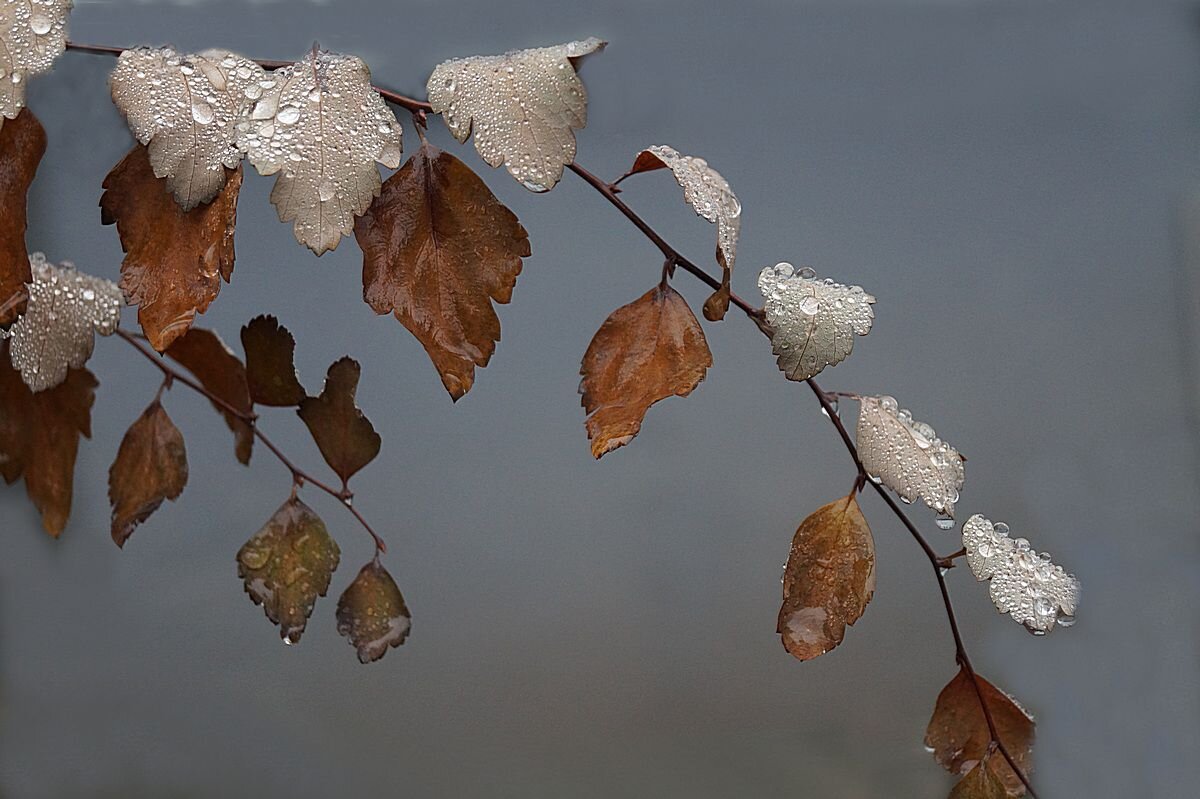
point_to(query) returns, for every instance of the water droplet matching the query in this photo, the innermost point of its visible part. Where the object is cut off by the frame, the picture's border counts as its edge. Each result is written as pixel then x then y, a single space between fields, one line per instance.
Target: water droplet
pixel 944 522
pixel 288 115
pixel 326 190
pixel 202 112
pixel 40 24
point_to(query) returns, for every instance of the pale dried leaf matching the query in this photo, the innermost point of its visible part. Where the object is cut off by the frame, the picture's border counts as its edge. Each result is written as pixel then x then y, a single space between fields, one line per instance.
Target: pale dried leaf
pixel 32 33
pixel 321 127
pixel 523 107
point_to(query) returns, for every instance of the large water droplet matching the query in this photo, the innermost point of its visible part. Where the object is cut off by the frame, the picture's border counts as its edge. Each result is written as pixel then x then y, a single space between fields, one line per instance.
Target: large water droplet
pixel 288 115
pixel 202 112
pixel 40 24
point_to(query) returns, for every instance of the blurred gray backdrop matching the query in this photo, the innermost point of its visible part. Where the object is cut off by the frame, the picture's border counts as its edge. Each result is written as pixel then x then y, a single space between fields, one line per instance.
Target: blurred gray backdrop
pixel 1016 181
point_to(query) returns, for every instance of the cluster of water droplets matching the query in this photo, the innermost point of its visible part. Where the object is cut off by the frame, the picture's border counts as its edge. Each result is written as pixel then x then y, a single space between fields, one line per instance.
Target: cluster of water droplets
pixel 708 193
pixel 523 107
pixel 1025 584
pixel 813 321
pixel 56 333
pixel 33 34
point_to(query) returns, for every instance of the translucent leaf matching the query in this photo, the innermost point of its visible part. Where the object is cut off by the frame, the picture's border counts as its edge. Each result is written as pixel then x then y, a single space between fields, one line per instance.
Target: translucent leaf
pixel 270 363
pixel 523 106
pixel 33 33
pixel 205 355
pixel 151 466
pixel 1024 584
pixel 185 109
pixel 57 331
pixel 372 614
pixel 813 321
pixel 907 456
pixel 982 781
pixel 22 144
pixel 321 127
pixel 345 436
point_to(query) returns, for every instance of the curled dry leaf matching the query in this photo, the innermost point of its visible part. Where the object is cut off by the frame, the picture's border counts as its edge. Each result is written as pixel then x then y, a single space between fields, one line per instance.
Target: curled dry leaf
pixel 983 781
pixel 646 351
pixel 22 145
pixel 813 322
pixel 151 466
pixel 828 580
pixel 372 614
pixel 1028 586
pixel 175 259
pixel 203 354
pixel 958 732
pixel 39 437
pixel 185 108
pixel 58 330
pixel 321 126
pixel 908 457
pixel 270 363
pixel 287 564
pixel 438 249
pixel 346 438
pixel 32 33
pixel 523 106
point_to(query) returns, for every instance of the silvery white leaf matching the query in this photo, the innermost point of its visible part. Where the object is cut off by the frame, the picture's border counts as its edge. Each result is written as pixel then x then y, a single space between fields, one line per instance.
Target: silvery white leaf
pixel 907 456
pixel 185 108
pixel 813 321
pixel 33 33
pixel 321 126
pixel 523 107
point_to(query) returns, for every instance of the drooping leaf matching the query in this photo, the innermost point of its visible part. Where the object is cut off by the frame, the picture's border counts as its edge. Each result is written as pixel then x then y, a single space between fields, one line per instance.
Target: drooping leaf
pixel 907 456
pixel 982 781
pixel 32 34
pixel 175 259
pixel 22 145
pixel 287 564
pixel 646 351
pixel 151 466
pixel 958 732
pixel 322 127
pixel 813 321
pixel 438 248
pixel 185 108
pixel 372 614
pixel 270 363
pixel 1028 586
pixel 57 331
pixel 523 106
pixel 39 437
pixel 204 354
pixel 828 580
pixel 346 438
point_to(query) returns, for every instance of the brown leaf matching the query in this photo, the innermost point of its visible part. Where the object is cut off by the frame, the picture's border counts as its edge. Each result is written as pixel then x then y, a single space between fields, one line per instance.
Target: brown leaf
pixel 982 781
pixel 644 352
pixel 345 437
pixel 958 731
pixel 151 466
pixel 829 578
pixel 437 247
pixel 203 354
pixel 270 364
pixel 39 437
pixel 372 614
pixel 22 144
pixel 287 564
pixel 175 259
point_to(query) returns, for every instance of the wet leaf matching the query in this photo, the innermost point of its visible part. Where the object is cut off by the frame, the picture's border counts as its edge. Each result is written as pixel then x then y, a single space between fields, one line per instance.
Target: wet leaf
pixel 57 332
pixel 203 354
pixel 32 34
pixel 958 732
pixel 22 145
pixel 321 127
pixel 523 106
pixel 372 614
pixel 828 580
pixel 185 108
pixel 438 248
pixel 982 781
pixel 151 466
pixel 345 437
pixel 907 456
pixel 646 351
pixel 175 259
pixel 270 363
pixel 39 437
pixel 287 564
pixel 813 321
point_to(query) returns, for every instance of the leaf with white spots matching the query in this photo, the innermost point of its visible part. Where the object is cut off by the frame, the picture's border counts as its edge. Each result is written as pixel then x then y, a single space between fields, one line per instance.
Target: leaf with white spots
pixel 908 457
pixel 185 108
pixel 32 34
pixel 523 106
pixel 321 127
pixel 813 322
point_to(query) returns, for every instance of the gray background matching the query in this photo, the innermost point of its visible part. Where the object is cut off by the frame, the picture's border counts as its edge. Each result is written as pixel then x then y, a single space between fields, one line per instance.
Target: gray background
pixel 1015 181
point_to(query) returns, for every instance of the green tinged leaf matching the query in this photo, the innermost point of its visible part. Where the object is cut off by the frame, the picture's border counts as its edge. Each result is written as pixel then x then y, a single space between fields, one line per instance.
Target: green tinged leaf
pixel 372 614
